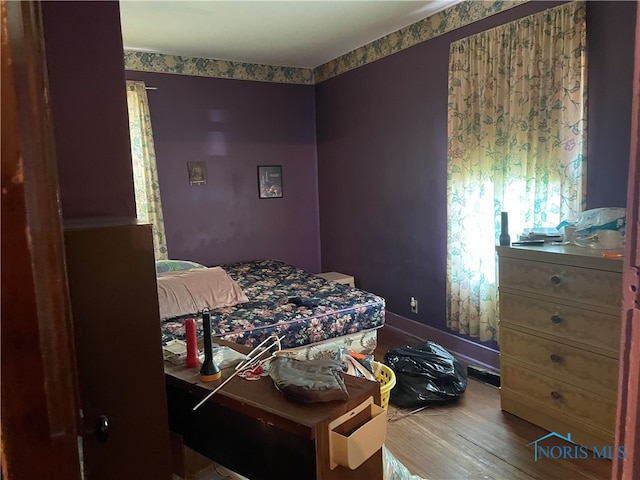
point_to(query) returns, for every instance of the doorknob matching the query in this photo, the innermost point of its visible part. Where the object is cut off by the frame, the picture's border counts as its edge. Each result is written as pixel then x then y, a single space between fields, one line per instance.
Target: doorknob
pixel 102 428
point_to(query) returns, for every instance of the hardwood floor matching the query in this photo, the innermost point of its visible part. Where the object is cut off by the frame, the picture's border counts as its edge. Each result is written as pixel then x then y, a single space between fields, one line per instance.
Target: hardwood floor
pixel 472 438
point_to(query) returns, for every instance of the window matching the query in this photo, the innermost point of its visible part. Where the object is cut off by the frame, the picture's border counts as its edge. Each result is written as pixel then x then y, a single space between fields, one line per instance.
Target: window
pixel 145 174
pixel 517 143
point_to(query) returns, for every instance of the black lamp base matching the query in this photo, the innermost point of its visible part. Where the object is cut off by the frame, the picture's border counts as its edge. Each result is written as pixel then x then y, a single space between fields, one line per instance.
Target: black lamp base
pixel 209 371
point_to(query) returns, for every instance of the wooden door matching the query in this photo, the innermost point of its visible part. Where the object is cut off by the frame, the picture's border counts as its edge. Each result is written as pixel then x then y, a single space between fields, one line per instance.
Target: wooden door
pixel 114 301
pixel 628 422
pixel 39 426
pixel 44 367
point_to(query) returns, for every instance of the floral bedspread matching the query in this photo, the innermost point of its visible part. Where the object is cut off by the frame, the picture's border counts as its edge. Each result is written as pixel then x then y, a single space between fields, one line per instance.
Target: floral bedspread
pixel 286 301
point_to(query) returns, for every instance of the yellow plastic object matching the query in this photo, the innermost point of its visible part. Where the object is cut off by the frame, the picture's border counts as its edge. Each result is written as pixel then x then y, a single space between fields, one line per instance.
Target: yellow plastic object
pixel 357 435
pixel 387 380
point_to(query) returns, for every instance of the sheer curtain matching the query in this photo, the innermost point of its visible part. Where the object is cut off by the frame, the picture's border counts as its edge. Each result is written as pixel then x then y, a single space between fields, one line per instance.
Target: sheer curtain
pixel 516 143
pixel 145 173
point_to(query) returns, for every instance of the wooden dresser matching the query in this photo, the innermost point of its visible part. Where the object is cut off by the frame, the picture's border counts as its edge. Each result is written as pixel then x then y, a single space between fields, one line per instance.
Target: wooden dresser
pixel 560 309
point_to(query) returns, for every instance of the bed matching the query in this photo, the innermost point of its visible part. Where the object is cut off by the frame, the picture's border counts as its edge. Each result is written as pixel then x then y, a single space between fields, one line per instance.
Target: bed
pixel 313 315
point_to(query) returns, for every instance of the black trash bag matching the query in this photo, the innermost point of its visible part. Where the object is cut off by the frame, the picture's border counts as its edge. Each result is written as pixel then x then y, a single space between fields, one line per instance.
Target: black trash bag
pixel 425 373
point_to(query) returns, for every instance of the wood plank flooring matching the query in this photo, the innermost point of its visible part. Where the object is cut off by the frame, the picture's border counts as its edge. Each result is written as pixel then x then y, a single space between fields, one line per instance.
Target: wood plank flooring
pixel 472 438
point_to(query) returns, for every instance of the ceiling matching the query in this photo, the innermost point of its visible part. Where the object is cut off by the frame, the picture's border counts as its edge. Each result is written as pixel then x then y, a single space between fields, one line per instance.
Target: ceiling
pixel 294 33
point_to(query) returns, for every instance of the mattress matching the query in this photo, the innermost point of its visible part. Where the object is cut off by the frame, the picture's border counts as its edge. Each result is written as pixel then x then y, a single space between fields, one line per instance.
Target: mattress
pixel 289 302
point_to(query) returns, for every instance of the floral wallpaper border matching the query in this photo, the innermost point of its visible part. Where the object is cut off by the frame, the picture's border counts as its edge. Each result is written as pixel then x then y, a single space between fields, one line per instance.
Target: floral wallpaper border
pixel 454 17
pixel 209 67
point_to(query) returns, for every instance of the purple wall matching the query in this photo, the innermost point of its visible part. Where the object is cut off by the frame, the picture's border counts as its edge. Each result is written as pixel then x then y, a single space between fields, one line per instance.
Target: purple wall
pixel 376 186
pixel 382 138
pixel 234 126
pixel 89 110
pixel 611 35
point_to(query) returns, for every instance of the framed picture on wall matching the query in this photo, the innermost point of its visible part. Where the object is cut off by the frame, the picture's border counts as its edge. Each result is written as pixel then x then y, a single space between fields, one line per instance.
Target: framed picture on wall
pixel 197 173
pixel 270 181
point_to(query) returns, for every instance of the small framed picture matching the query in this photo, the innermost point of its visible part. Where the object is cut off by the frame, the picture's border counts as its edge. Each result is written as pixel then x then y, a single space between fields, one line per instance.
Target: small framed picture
pixel 197 173
pixel 270 181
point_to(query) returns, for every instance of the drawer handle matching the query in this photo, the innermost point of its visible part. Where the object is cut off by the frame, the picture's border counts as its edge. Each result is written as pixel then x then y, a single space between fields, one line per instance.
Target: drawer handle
pixel 556 280
pixel 555 319
pixel 555 395
pixel 554 358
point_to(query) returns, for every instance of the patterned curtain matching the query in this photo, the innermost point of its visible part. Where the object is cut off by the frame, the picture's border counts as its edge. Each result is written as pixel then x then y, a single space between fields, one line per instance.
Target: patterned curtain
pixel 145 173
pixel 516 143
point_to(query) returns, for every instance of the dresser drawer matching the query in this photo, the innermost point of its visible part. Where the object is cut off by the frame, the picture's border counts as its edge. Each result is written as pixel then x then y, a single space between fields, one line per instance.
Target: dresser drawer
pixel 557 395
pixel 583 285
pixel 588 370
pixel 577 325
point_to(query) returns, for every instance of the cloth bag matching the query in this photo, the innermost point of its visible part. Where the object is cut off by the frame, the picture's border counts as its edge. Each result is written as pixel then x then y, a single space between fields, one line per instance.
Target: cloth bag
pixel 308 381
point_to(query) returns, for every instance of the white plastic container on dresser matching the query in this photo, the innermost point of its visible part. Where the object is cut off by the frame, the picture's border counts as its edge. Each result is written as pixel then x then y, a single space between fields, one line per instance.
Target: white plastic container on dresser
pixel 560 309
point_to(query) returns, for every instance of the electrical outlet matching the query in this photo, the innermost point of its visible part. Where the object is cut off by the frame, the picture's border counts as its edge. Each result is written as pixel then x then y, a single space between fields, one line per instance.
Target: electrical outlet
pixel 413 303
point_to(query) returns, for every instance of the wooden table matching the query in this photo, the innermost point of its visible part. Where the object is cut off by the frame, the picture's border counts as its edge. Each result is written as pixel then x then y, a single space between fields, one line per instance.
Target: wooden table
pixel 252 429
